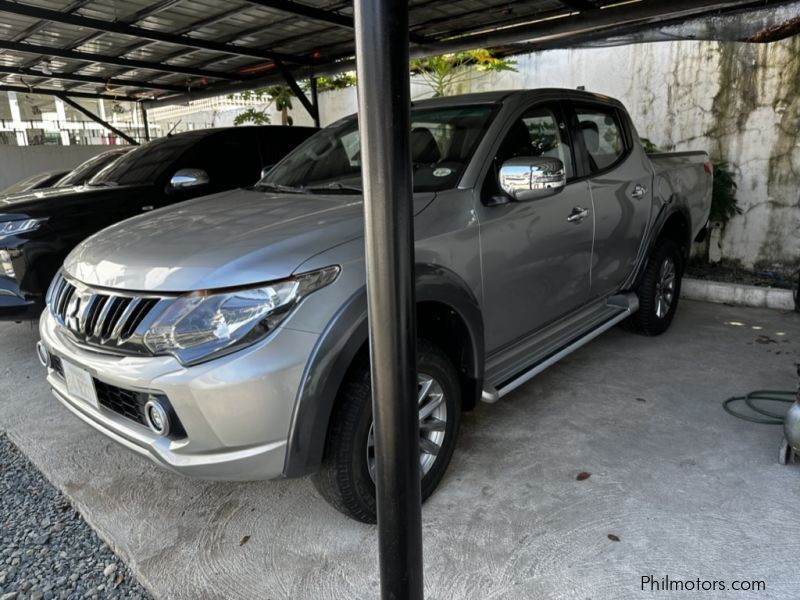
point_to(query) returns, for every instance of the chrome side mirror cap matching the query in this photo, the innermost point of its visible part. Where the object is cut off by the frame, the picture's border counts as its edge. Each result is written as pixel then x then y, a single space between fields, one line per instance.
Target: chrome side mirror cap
pixel 265 171
pixel 185 179
pixel 532 177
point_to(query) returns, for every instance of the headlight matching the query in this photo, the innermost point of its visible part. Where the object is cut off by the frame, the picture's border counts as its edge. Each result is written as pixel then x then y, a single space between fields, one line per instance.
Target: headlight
pixel 198 325
pixel 21 226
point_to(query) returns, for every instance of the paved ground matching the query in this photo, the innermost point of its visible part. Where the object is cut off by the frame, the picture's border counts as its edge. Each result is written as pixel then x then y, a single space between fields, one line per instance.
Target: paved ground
pixel 689 491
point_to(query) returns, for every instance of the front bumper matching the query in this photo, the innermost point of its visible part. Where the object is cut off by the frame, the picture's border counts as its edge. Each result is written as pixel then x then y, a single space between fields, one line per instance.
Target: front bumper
pixel 236 410
pixel 16 305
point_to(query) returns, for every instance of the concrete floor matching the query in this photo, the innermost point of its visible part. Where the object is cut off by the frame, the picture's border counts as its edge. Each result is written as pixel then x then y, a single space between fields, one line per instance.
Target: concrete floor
pixel 690 491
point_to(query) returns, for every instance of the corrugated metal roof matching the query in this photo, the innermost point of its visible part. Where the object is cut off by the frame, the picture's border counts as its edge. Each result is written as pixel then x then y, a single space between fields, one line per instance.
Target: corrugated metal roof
pixel 205 46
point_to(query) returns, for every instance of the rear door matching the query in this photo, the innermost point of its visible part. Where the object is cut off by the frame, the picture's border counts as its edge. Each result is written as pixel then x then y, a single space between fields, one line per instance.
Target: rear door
pixel 535 262
pixel 620 179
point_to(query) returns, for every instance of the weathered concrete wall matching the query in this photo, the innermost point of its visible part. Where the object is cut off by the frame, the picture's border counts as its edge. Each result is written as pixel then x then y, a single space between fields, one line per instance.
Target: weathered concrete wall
pixel 19 162
pixel 738 101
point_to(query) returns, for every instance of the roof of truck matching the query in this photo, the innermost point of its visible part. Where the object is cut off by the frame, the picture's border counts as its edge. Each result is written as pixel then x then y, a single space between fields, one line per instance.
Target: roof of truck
pixel 498 96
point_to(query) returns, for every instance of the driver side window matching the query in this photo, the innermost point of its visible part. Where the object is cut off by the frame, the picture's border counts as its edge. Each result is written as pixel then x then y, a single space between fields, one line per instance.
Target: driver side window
pixel 539 132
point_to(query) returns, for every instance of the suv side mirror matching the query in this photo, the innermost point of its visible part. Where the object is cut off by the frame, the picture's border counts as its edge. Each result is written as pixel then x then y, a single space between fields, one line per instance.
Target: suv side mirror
pixel 532 177
pixel 185 179
pixel 265 171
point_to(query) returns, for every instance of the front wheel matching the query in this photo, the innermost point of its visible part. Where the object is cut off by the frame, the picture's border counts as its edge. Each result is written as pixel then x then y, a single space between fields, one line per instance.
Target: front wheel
pixel 659 290
pixel 346 478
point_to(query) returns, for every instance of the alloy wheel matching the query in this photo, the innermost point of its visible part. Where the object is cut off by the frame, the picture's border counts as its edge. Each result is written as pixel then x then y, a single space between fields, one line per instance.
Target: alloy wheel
pixel 432 424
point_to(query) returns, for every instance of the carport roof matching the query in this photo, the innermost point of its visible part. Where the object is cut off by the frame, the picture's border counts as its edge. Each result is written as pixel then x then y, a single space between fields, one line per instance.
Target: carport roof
pixel 174 50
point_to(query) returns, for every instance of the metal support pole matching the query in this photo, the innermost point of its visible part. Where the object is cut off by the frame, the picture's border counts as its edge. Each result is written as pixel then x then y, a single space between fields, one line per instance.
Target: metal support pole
pixel 315 100
pixel 96 119
pixel 384 122
pixel 145 123
pixel 297 90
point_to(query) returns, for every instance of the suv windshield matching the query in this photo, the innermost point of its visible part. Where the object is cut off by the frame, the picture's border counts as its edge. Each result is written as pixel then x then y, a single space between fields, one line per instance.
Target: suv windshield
pixel 442 143
pixel 144 164
pixel 85 171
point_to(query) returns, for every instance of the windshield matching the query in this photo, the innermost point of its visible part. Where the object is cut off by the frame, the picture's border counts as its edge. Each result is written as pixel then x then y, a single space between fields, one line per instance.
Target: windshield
pixel 442 143
pixel 144 164
pixel 85 171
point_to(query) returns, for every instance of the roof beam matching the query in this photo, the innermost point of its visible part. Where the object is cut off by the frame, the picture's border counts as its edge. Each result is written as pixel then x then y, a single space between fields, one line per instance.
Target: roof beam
pixel 297 91
pixel 32 90
pixel 579 4
pixel 67 100
pixel 318 14
pixel 92 57
pixel 22 71
pixel 37 12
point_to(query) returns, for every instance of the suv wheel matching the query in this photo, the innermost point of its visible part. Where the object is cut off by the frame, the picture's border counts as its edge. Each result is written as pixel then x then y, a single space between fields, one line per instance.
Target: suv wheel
pixel 659 290
pixel 346 477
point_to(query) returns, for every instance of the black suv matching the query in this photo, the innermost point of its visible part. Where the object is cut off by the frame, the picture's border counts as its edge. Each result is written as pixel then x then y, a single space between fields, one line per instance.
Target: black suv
pixel 38 229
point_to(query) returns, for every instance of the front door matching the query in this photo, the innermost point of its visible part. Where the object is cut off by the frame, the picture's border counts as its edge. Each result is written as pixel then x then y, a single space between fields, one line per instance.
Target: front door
pixel 535 262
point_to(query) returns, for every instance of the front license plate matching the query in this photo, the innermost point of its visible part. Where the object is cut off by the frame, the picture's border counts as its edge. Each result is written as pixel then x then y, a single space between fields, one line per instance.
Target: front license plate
pixel 80 383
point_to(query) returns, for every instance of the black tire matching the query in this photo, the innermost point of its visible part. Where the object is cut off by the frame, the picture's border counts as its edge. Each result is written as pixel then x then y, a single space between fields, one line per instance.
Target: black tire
pixel 647 320
pixel 344 479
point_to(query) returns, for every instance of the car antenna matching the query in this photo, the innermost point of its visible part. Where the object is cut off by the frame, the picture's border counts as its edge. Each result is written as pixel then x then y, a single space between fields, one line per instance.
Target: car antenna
pixel 169 133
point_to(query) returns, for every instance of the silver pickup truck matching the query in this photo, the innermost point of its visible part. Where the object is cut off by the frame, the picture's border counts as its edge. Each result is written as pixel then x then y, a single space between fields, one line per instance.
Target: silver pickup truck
pixel 226 337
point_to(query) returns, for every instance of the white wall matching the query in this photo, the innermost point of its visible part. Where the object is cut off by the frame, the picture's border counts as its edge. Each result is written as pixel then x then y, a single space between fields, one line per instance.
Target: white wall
pixel 740 102
pixel 19 162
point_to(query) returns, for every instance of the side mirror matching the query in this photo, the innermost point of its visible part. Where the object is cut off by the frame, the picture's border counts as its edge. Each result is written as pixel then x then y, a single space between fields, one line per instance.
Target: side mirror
pixel 185 179
pixel 532 177
pixel 265 171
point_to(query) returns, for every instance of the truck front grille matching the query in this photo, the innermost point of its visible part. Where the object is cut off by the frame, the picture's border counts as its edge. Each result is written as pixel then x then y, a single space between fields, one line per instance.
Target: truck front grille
pixel 115 320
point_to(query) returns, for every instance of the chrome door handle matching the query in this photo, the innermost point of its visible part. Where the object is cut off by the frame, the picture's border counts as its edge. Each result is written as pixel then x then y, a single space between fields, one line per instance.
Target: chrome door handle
pixel 148 207
pixel 578 214
pixel 638 192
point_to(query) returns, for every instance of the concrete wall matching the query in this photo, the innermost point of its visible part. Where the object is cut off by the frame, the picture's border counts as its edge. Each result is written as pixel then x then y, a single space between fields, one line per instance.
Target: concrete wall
pixel 19 162
pixel 740 102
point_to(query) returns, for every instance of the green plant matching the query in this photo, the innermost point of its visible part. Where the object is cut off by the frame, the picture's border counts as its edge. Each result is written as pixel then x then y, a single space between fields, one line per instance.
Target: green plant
pixel 337 82
pixel 649 147
pixel 442 73
pixel 724 204
pixel 279 95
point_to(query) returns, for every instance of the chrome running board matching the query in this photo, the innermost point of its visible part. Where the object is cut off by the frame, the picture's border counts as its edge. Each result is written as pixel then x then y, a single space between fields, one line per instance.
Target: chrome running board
pixel 627 303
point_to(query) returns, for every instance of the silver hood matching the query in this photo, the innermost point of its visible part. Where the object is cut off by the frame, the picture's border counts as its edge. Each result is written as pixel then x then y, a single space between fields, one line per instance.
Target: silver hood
pixel 239 237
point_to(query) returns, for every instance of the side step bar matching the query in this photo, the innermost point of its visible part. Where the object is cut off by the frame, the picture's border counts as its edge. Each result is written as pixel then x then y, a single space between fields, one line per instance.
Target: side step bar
pixel 628 303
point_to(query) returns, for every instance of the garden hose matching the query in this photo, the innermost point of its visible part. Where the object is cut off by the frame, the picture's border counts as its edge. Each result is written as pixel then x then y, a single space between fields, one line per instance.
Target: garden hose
pixel 763 416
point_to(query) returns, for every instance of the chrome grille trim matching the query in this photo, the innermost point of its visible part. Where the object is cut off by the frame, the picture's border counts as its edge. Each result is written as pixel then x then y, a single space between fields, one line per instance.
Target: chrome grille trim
pixel 108 319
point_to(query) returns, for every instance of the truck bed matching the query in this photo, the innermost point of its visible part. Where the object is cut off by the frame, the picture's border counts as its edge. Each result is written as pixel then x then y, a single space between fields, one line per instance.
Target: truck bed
pixel 682 176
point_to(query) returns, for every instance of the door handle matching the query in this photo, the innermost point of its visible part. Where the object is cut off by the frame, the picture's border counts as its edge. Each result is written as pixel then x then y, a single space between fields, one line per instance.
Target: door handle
pixel 578 214
pixel 148 207
pixel 638 192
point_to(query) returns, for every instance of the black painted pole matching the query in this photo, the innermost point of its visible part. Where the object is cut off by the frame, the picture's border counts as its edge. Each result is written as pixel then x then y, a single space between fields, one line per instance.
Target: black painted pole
pixel 314 101
pixel 145 123
pixel 381 28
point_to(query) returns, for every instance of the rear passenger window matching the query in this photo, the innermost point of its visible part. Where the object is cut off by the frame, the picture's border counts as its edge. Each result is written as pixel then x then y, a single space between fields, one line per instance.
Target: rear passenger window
pixel 602 136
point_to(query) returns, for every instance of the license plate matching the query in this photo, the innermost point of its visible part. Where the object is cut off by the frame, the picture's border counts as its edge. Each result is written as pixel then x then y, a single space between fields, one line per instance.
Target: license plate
pixel 79 383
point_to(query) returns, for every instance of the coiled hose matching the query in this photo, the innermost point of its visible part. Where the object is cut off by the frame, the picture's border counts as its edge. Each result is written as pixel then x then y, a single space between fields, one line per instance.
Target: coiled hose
pixel 762 415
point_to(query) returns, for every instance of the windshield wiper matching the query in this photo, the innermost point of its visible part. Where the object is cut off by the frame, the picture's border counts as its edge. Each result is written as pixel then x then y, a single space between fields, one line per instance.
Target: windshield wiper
pixel 333 187
pixel 277 187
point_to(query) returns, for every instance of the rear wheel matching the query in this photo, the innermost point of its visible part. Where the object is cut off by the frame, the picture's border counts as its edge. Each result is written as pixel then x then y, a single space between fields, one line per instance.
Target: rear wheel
pixel 346 478
pixel 659 290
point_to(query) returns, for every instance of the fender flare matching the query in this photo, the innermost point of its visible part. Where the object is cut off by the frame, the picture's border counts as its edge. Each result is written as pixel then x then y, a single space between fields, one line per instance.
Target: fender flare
pixel 343 338
pixel 667 211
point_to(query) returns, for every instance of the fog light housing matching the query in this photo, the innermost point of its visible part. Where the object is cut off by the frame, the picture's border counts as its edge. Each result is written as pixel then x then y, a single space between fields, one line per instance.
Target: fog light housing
pixel 157 417
pixel 6 266
pixel 42 354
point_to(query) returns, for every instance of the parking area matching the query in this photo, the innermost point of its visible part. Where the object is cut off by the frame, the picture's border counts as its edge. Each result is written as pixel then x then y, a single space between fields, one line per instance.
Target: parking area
pixel 688 491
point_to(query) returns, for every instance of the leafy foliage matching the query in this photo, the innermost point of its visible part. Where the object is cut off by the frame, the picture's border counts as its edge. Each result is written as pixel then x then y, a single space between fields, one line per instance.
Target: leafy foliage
pixel 724 204
pixel 278 95
pixel 649 147
pixel 338 82
pixel 443 73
